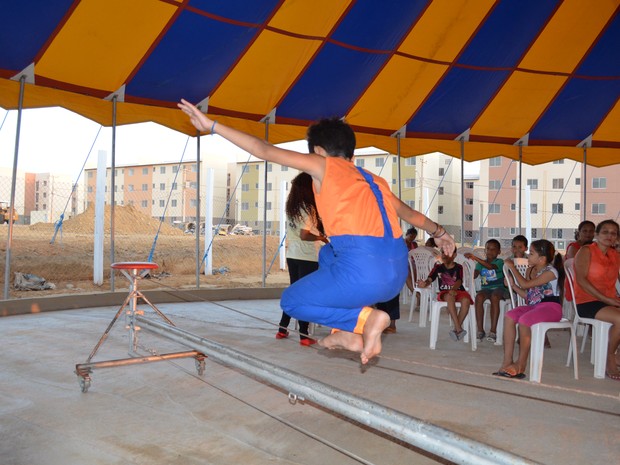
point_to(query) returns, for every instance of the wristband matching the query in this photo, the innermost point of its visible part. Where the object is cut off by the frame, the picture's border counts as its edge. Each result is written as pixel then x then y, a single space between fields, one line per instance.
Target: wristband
pixel 434 232
pixel 444 232
pixel 213 127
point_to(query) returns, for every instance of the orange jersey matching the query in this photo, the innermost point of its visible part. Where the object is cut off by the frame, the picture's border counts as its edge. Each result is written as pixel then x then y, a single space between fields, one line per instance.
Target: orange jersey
pixel 347 204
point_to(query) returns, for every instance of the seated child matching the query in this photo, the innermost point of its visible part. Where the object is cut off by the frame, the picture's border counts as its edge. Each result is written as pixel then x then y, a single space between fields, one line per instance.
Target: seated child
pixel 519 247
pixel 491 272
pixel 451 290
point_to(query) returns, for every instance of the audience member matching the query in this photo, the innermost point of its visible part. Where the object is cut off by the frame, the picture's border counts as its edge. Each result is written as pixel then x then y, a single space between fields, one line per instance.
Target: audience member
pixel 597 267
pixel 583 236
pixel 519 247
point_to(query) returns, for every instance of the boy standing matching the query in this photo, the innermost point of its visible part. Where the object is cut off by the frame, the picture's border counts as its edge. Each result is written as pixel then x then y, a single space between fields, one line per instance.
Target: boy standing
pixel 491 272
pixel 366 259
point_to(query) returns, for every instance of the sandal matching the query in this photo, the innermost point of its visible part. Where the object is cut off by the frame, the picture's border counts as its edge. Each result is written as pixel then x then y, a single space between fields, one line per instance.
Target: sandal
pixel 505 374
pixel 614 376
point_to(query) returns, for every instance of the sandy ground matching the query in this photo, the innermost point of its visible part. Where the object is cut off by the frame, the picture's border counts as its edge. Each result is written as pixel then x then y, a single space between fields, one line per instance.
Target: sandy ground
pixel 67 261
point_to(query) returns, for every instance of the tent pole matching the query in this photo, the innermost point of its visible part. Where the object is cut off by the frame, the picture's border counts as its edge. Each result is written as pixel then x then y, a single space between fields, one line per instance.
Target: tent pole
pixel 112 188
pixel 398 172
pixel 197 223
pixel 266 164
pixel 520 184
pixel 9 241
pixel 584 181
pixel 462 191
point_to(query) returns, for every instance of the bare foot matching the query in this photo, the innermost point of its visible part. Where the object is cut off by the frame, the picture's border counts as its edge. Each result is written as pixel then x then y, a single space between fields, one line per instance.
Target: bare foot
pixel 375 324
pixel 343 340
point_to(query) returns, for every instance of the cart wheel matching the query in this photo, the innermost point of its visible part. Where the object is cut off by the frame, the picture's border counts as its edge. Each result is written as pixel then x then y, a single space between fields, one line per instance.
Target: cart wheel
pixel 200 366
pixel 84 382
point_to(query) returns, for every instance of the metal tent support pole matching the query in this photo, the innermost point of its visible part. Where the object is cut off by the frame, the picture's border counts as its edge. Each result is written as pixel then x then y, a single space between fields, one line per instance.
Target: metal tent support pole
pixel 266 164
pixel 584 182
pixel 462 191
pixel 112 189
pixel 398 173
pixel 434 439
pixel 9 241
pixel 520 184
pixel 197 223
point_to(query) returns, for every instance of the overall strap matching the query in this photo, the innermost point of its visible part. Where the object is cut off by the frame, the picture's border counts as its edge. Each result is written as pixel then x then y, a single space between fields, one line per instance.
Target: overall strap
pixel 387 227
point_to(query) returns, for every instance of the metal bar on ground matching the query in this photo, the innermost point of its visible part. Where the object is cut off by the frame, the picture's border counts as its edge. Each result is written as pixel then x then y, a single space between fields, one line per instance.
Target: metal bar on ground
pixel 413 431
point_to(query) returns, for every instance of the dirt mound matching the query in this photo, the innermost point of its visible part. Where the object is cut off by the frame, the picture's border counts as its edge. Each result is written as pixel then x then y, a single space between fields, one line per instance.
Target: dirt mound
pixel 127 220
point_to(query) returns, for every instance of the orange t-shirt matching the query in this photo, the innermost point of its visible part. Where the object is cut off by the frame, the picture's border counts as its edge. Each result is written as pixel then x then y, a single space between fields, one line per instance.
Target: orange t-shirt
pixel 602 273
pixel 347 204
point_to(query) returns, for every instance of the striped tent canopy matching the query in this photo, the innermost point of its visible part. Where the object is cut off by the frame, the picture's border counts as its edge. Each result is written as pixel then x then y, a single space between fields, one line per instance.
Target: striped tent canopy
pixel 536 77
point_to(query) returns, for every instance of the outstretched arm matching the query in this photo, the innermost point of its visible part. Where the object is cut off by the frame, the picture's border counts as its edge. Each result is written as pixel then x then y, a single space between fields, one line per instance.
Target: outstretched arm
pixel 312 163
pixel 443 240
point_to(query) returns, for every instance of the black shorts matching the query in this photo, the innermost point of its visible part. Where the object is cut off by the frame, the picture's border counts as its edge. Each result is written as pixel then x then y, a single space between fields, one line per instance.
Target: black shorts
pixel 590 309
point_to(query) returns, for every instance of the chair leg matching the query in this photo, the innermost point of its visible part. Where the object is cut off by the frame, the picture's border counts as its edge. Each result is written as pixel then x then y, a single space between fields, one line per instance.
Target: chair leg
pixel 435 312
pixel 424 304
pixel 500 324
pixel 573 346
pixel 586 331
pixel 536 353
pixel 414 298
pixel 600 341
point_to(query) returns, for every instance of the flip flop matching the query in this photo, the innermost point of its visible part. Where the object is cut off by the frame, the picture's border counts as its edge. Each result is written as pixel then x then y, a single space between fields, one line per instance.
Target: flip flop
pixel 505 374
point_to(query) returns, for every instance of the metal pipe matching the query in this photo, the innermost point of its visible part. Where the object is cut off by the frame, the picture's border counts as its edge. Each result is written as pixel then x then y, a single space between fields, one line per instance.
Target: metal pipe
pixel 112 188
pixel 9 241
pixel 584 182
pixel 266 164
pixel 197 222
pixel 462 191
pixel 418 433
pixel 520 185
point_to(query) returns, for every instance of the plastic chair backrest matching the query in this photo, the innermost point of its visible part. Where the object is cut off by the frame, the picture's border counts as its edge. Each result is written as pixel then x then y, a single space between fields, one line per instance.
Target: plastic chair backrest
pixel 515 299
pixel 569 267
pixel 423 260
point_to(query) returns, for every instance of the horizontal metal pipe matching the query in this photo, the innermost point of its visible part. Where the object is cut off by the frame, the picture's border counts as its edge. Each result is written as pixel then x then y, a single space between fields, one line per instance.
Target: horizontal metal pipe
pixel 418 433
pixel 135 360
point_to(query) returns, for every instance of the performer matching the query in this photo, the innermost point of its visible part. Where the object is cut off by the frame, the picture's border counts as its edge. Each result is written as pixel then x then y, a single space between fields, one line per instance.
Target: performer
pixel 366 259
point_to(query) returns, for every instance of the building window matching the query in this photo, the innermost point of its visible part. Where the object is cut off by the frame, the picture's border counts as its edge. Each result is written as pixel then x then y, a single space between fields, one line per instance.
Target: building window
pixel 533 208
pixel 513 182
pixel 494 208
pixel 360 162
pixel 245 188
pixel 145 171
pixel 90 189
pixel 410 161
pixel 174 186
pixel 557 208
pixel 599 183
pixel 577 181
pixel 269 186
pixel 130 171
pixel 162 170
pixel 556 234
pixel 268 206
pixel 440 209
pixel 495 185
pixel 513 207
pixel 283 168
pixel 469 185
pixel 577 207
pixel 513 231
pixel 493 232
pixel 558 183
pixel 162 203
pixel 193 203
pixel 410 183
pixel 162 186
pixel 130 187
pixel 532 183
pixel 598 208
pixel 469 234
pixel 269 167
pixel 558 162
pixel 144 204
pixel 441 171
pixel 175 169
pixel 245 206
pixel 379 162
pixel 495 161
pixel 411 203
pixel 534 233
pixel 440 190
pixel 145 187
pixel 173 203
pixel 469 217
pixel 469 201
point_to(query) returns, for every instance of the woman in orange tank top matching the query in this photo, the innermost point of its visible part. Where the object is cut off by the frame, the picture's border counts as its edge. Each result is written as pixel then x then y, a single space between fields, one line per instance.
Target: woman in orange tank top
pixel 596 271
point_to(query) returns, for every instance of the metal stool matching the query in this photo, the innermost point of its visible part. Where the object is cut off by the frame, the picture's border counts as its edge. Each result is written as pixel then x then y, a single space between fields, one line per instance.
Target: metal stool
pixel 134 272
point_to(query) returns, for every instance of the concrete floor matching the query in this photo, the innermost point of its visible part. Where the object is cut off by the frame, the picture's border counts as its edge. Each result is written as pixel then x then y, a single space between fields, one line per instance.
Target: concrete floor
pixel 163 413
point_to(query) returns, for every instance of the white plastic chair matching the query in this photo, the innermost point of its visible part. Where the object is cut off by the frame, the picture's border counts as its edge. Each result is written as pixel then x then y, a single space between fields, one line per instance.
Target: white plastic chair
pixel 424 260
pixel 470 321
pixel 600 329
pixel 539 330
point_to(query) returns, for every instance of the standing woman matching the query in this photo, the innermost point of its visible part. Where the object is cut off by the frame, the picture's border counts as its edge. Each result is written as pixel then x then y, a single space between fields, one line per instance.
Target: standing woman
pixel 305 236
pixel 596 271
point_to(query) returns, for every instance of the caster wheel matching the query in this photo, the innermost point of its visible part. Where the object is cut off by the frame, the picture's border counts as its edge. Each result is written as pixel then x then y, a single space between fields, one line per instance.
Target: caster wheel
pixel 84 382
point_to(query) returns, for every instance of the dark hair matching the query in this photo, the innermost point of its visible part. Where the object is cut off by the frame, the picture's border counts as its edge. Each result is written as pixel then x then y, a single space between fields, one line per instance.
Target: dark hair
pixel 430 242
pixel 494 241
pixel 412 231
pixel 580 227
pixel 546 249
pixel 301 199
pixel 603 223
pixel 520 238
pixel 334 135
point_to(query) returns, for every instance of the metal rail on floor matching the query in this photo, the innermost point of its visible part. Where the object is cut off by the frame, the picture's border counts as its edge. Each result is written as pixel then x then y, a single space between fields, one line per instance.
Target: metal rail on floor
pixel 413 431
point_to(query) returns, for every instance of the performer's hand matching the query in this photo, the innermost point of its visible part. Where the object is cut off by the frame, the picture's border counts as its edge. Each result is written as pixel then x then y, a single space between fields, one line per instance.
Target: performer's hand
pixel 446 244
pixel 197 117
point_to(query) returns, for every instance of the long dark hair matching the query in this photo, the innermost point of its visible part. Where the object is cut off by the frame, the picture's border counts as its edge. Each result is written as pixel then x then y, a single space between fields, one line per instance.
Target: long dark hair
pixel 301 200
